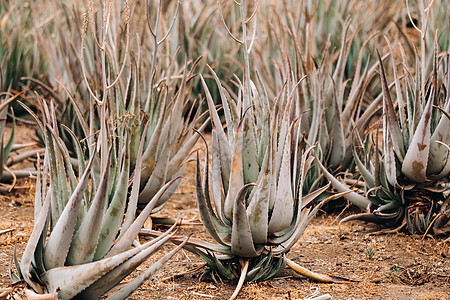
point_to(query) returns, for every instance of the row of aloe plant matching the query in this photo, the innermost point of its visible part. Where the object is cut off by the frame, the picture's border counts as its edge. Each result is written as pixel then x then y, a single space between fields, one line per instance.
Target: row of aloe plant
pixel 80 241
pixel 256 200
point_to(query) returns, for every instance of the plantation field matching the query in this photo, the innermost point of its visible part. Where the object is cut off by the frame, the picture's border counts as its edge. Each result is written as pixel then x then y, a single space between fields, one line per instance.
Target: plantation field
pixel 401 266
pixel 229 149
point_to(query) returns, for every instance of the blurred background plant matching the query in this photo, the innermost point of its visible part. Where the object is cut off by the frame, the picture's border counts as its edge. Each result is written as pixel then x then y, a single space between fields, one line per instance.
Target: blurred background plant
pixel 133 79
pixel 20 53
pixel 12 153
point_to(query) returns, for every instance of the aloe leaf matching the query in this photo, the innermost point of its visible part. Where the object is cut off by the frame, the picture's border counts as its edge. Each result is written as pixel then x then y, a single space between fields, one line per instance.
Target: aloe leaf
pixel 36 235
pixel 338 139
pixel 388 108
pixel 343 54
pixel 216 177
pixel 113 277
pixel 222 229
pixel 439 160
pixel 157 177
pixel 389 158
pixel 204 211
pixel 134 195
pixel 224 147
pixel 15 278
pixel 56 205
pixel 296 221
pixel 124 292
pixel 313 195
pixel 283 129
pixel 78 148
pixel 249 152
pixel 416 159
pixel 275 271
pixel 61 236
pixel 401 107
pixel 236 175
pixel 85 240
pixel 38 199
pixel 64 154
pixel 283 209
pixel 126 240
pixel 353 197
pixel 112 218
pixel 226 108
pixel 365 173
pixel 389 207
pixel 241 236
pixel 224 270
pixel 72 280
pixel 258 209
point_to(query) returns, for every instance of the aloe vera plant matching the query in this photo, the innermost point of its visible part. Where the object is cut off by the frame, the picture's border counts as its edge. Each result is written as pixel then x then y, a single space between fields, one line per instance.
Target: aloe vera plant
pixel 407 178
pixel 80 244
pixel 251 201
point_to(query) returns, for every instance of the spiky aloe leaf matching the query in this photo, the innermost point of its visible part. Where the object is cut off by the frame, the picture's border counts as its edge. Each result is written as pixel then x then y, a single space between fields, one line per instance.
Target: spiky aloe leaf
pixel 133 285
pixel 112 218
pixel 236 175
pixel 212 224
pixel 438 161
pixel 353 197
pixel 241 236
pixel 416 159
pixel 258 208
pixel 224 147
pixel 84 242
pixel 113 277
pixel 86 274
pixel 59 241
pixel 126 240
pixel 283 209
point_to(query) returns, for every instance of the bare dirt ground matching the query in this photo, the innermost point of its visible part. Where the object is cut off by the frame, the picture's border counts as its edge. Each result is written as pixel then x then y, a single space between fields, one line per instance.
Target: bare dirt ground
pixel 401 266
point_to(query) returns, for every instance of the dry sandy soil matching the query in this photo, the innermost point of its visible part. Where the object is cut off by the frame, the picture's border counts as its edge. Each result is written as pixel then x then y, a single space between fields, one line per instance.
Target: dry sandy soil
pixel 401 267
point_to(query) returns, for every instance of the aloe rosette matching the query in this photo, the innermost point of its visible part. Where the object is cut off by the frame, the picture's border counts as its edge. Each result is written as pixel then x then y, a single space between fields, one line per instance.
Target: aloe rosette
pixel 81 244
pixel 407 177
pixel 250 200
